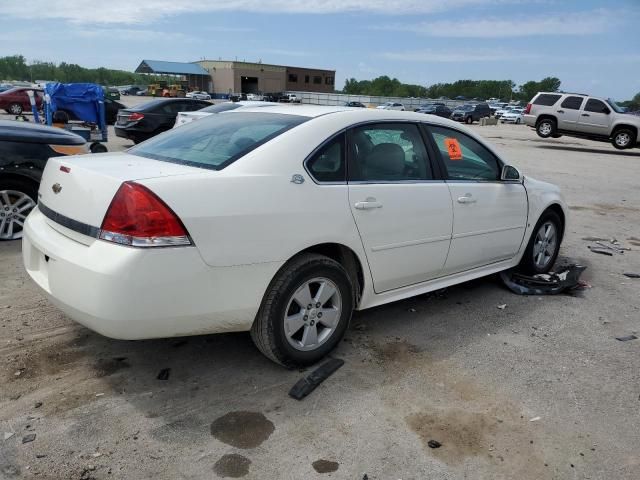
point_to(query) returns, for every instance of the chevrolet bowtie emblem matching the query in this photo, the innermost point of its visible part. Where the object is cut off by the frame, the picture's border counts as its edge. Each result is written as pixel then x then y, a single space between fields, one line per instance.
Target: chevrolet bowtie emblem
pixel 56 188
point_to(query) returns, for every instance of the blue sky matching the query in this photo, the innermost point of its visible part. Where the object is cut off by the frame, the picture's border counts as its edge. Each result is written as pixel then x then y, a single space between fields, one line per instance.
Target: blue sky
pixel 592 46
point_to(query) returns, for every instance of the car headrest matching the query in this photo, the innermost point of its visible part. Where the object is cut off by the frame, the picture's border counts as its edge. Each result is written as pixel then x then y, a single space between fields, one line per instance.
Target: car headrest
pixel 387 160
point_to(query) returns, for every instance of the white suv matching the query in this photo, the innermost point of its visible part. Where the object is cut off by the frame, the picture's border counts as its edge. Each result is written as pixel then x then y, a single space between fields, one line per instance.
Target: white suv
pixel 577 115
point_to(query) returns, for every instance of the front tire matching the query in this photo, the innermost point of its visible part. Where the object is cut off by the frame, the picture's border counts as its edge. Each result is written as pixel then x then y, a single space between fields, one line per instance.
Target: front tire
pixel 623 138
pixel 17 199
pixel 546 128
pixel 544 245
pixel 305 311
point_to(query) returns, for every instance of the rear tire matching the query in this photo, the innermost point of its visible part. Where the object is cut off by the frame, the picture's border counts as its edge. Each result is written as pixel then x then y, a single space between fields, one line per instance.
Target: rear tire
pixel 546 128
pixel 293 334
pixel 544 245
pixel 98 148
pixel 15 109
pixel 468 120
pixel 623 138
pixel 17 198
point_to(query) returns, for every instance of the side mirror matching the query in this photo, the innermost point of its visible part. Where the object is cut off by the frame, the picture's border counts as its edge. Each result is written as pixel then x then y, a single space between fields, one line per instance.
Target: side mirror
pixel 510 174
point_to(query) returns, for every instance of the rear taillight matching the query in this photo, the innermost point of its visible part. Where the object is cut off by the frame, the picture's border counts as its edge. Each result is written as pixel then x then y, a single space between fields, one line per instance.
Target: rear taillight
pixel 527 110
pixel 134 117
pixel 137 217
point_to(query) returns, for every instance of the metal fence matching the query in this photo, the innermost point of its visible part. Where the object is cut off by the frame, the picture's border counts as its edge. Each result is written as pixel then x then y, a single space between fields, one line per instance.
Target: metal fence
pixel 314 98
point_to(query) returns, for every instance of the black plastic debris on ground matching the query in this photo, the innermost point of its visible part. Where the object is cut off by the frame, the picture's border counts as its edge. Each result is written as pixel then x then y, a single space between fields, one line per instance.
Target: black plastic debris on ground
pixel 565 280
pixel 631 274
pixel 601 251
pixel 29 438
pixel 164 374
pixel 626 338
pixel 434 444
pixel 305 386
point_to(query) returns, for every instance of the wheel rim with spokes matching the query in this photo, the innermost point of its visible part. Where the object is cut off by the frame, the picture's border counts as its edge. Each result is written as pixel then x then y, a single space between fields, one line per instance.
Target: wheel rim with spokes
pixel 14 208
pixel 16 109
pixel 623 139
pixel 544 246
pixel 312 314
pixel 545 128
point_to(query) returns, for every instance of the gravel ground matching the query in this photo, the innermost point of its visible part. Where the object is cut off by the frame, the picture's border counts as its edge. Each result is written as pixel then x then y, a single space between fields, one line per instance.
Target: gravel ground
pixel 540 389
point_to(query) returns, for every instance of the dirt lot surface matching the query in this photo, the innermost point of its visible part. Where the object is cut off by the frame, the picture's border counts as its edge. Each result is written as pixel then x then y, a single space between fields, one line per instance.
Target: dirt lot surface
pixel 538 390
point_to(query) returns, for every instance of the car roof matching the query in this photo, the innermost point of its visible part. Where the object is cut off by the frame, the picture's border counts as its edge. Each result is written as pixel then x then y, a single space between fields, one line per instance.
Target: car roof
pixel 13 131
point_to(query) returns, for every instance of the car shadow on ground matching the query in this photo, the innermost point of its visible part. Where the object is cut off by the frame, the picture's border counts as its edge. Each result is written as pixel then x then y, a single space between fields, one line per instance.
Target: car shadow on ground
pixel 623 153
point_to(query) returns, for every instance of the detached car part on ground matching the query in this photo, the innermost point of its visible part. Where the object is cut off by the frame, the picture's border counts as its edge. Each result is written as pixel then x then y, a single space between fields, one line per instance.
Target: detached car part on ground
pixel 249 221
pixel 24 151
pixel 555 114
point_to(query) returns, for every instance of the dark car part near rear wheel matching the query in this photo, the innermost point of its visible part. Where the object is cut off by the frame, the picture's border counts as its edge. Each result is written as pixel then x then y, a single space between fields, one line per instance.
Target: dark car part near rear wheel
pixel 15 109
pixel 546 127
pixel 305 311
pixel 623 138
pixel 17 199
pixel 469 120
pixel 544 244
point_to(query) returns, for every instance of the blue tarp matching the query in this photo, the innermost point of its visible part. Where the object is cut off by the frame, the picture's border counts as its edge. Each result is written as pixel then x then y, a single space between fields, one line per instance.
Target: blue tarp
pixel 83 99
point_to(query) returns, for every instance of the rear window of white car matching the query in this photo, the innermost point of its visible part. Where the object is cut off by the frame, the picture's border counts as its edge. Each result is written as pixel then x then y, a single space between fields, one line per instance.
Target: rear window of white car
pixel 218 140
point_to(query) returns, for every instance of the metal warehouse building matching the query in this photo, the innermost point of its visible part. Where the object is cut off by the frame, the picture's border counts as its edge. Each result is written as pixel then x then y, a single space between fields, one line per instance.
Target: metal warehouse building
pixel 223 77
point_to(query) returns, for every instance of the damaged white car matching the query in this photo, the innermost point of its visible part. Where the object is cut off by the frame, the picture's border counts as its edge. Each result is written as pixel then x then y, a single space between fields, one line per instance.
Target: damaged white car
pixel 283 222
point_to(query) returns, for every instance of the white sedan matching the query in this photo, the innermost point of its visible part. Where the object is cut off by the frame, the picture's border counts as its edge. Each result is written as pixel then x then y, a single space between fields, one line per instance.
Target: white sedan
pixel 186 117
pixel 252 221
pixel 515 115
pixel 198 95
pixel 391 106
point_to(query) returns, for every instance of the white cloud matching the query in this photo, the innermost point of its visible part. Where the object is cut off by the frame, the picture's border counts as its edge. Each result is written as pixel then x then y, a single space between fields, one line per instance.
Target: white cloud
pixel 586 23
pixel 148 11
pixel 443 56
pixel 139 35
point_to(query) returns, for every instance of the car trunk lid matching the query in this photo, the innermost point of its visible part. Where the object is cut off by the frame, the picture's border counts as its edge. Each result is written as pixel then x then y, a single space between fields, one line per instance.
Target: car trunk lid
pixel 77 191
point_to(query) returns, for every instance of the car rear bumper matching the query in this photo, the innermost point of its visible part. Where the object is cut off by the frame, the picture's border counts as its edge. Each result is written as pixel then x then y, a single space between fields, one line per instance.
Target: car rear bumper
pixel 132 293
pixel 529 120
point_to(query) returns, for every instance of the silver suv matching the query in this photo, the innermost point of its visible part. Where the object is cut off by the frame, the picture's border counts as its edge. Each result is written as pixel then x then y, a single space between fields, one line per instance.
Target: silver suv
pixel 576 115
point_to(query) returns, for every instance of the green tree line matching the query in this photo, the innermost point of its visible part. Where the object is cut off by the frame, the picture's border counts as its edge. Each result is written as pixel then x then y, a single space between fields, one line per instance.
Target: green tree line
pixel 15 67
pixel 503 89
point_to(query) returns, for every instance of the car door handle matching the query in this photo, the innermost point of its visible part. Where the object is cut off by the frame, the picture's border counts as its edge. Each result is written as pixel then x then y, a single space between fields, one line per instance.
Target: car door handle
pixel 369 204
pixel 466 199
pixel 586 115
pixel 560 111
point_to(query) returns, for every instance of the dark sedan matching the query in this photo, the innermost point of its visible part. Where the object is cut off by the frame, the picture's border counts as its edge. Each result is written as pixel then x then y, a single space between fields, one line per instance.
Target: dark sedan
pixel 355 104
pixel 24 150
pixel 439 110
pixel 151 118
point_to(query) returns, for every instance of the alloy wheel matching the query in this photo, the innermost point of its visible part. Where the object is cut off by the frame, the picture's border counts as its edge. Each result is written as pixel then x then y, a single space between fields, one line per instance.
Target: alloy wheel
pixel 312 314
pixel 623 139
pixel 14 208
pixel 545 128
pixel 545 244
pixel 15 109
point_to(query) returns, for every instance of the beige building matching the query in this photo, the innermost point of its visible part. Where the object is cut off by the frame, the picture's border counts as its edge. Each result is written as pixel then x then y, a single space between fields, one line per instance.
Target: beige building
pixel 245 77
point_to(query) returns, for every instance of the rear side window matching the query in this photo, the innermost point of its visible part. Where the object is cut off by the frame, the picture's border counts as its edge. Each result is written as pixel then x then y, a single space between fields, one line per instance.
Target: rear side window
pixel 463 157
pixel 217 140
pixel 546 99
pixel 572 103
pixel 327 164
pixel 596 106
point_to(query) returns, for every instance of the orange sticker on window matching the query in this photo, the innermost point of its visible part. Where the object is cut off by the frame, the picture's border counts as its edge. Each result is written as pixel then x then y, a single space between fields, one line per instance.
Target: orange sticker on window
pixel 453 147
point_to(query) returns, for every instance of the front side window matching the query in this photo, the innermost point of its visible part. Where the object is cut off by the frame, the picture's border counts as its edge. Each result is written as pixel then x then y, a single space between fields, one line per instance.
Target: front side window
pixel 596 106
pixel 464 158
pixel 388 153
pixel 572 103
pixel 327 164
pixel 217 140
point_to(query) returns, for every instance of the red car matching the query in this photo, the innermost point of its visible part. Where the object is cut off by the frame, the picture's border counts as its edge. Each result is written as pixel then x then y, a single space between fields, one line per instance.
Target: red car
pixel 16 100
